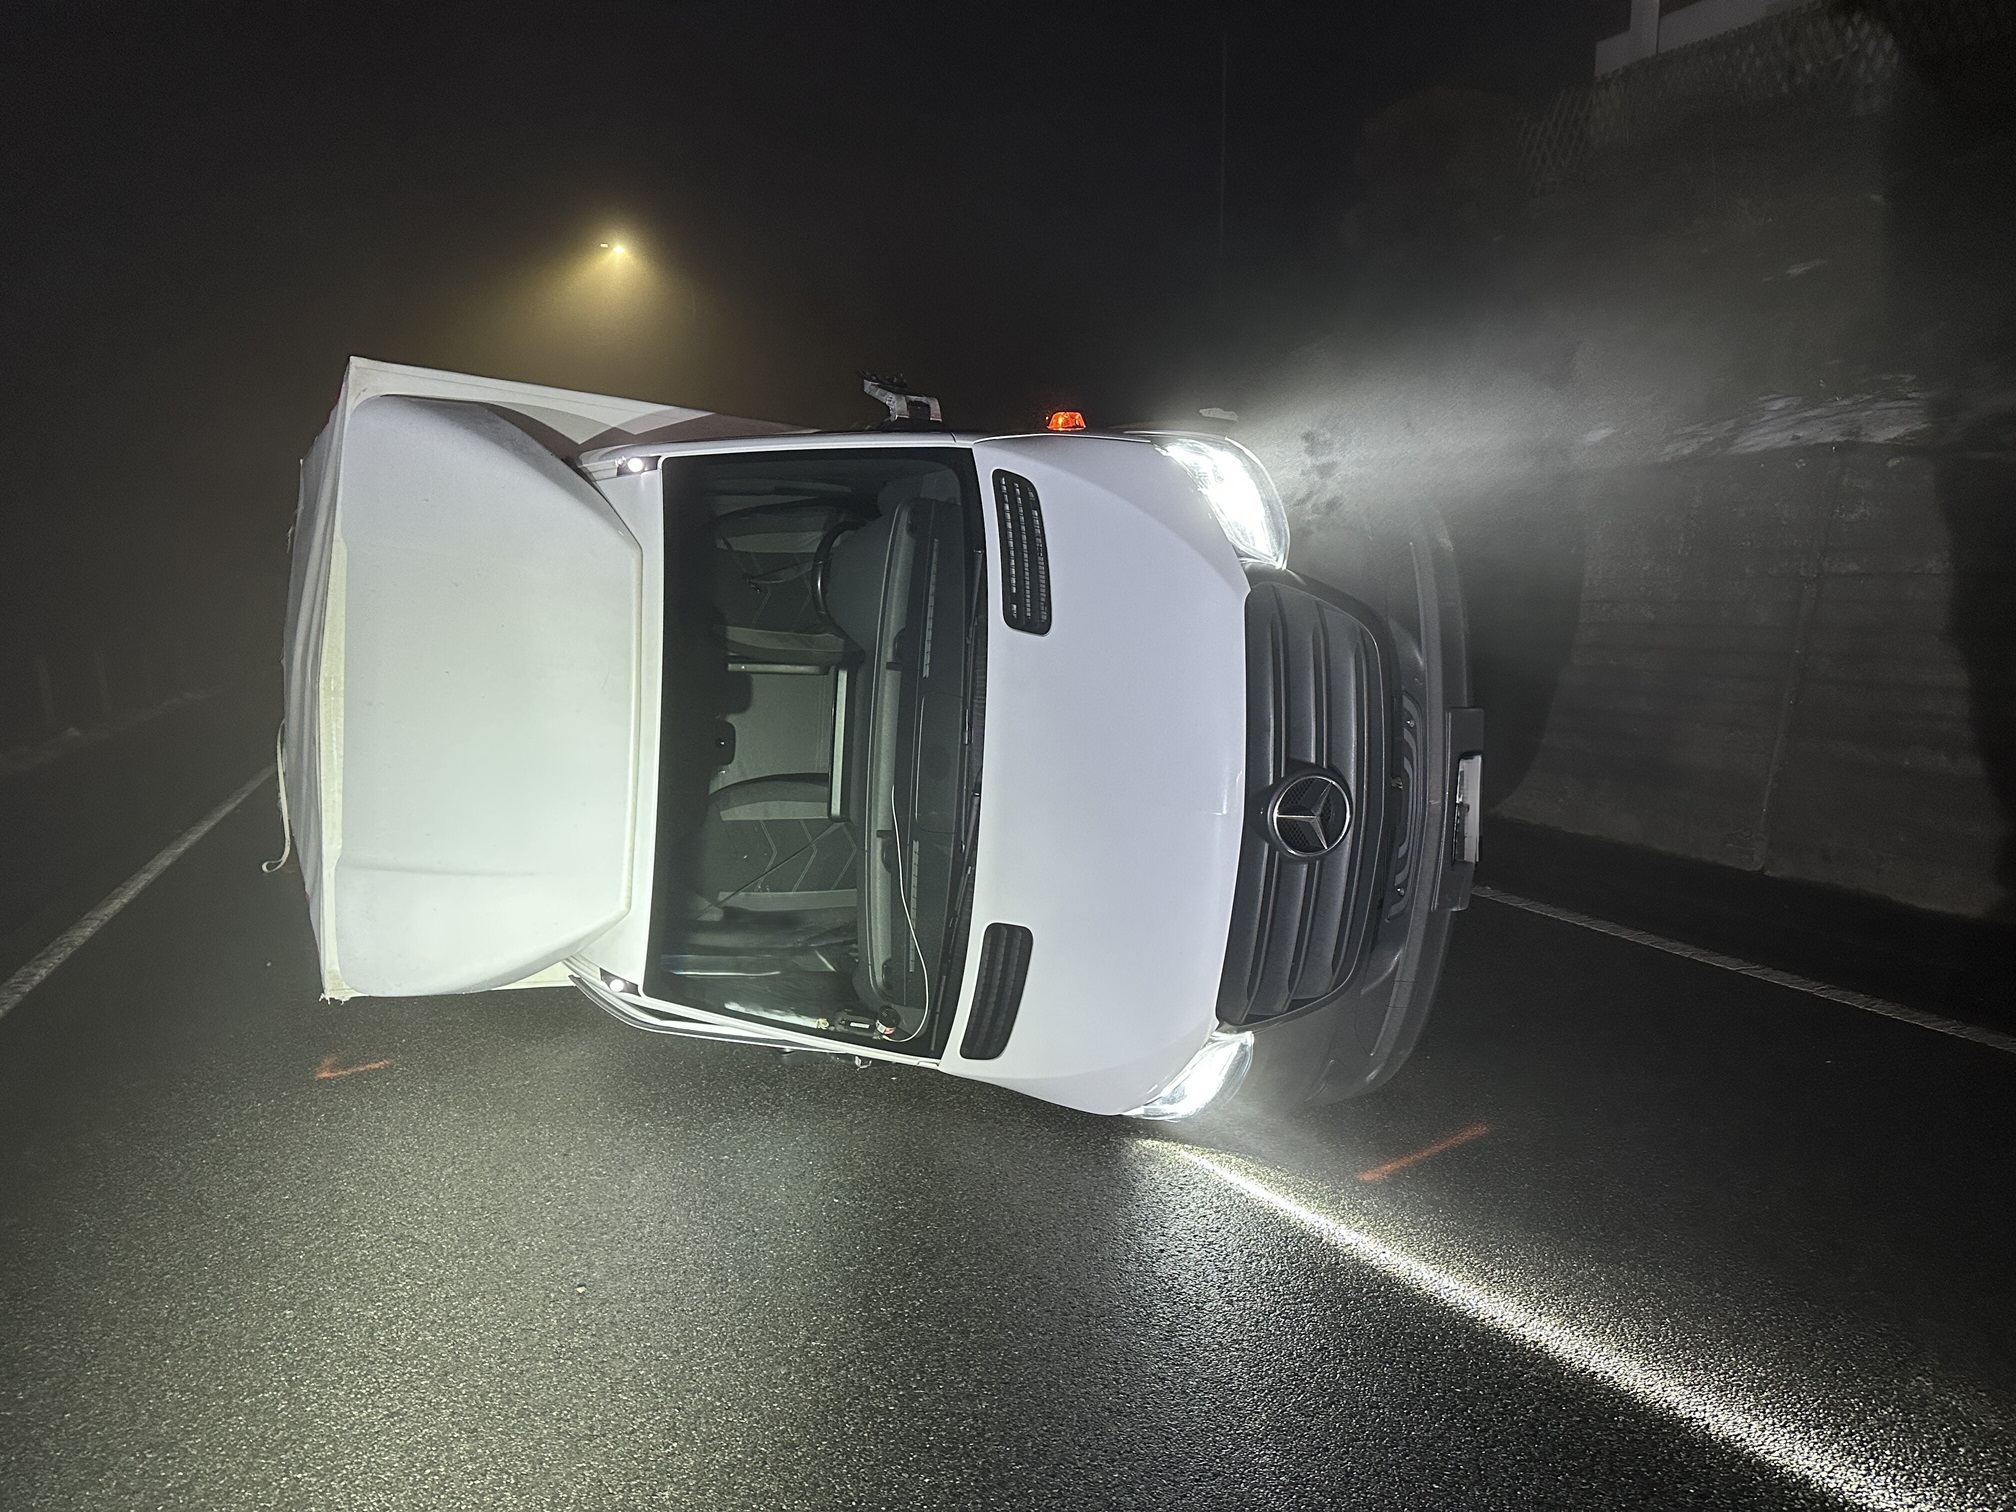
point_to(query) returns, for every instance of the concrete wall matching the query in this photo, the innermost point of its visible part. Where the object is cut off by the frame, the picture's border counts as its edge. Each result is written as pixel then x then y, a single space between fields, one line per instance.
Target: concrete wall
pixel 1724 426
pixel 1763 674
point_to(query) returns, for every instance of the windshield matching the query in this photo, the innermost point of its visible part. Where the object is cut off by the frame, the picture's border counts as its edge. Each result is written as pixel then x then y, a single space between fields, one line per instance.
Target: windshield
pixel 824 656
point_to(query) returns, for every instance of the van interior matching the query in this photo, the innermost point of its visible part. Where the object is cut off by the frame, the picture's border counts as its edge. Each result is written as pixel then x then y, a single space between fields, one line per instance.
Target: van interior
pixel 824 652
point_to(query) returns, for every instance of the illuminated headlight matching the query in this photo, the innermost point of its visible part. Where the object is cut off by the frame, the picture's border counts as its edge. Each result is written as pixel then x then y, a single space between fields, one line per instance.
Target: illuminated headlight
pixel 1213 1073
pixel 617 984
pixel 1239 492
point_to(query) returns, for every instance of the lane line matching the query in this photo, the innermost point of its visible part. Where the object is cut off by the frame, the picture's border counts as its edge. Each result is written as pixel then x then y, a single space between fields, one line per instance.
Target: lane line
pixel 65 945
pixel 1461 1136
pixel 1862 1000
pixel 1828 1444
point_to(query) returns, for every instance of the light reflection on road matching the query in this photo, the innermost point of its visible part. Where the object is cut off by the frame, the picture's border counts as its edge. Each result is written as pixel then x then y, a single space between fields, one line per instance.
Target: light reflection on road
pixel 1898 1463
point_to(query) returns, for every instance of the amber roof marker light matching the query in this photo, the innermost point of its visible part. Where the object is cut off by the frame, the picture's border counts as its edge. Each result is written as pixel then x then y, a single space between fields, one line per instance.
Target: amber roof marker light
pixel 1065 420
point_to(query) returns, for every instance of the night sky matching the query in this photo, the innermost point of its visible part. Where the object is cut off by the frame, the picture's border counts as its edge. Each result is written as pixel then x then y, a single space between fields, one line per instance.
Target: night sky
pixel 208 207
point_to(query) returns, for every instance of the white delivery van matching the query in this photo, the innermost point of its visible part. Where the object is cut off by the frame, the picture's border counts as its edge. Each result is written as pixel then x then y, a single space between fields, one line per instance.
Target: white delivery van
pixel 1023 757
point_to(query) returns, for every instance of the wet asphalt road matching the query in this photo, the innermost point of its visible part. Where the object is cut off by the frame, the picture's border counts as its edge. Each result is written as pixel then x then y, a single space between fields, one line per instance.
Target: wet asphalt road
pixel 1717 1245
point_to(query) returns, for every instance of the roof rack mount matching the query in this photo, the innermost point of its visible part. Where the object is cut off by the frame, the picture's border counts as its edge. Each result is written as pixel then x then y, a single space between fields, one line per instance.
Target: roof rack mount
pixel 905 408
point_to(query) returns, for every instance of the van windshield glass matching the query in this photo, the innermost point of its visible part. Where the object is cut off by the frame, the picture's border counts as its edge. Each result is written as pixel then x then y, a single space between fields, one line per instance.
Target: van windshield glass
pixel 824 652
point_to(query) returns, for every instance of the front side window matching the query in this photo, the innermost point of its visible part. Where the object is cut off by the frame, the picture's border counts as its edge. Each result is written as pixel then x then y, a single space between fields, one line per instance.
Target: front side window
pixel 819 784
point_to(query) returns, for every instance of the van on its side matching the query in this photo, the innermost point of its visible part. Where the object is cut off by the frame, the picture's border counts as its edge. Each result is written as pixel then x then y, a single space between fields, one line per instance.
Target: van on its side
pixel 1024 757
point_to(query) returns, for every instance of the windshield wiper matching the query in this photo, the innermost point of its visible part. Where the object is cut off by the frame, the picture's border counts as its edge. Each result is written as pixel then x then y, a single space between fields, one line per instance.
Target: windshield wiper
pixel 959 918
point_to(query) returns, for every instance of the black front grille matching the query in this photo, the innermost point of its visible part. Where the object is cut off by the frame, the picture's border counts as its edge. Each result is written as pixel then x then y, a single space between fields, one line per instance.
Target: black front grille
pixel 1004 966
pixel 1316 701
pixel 1025 559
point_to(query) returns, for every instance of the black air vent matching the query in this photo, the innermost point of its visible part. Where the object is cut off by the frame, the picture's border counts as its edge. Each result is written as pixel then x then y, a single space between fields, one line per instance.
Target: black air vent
pixel 1025 560
pixel 1004 966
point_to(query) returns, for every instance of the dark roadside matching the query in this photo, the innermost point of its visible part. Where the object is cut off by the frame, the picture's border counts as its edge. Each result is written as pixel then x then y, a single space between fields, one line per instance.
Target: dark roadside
pixel 73 827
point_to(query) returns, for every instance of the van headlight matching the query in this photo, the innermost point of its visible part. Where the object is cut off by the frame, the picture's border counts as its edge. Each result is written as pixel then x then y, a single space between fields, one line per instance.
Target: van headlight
pixel 1214 1073
pixel 1239 492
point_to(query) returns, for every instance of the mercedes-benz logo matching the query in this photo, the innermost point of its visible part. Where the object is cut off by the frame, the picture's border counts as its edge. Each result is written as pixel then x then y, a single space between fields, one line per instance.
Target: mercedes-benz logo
pixel 1309 815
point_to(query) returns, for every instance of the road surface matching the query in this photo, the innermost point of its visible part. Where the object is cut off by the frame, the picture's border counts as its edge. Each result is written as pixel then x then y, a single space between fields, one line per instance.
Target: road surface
pixel 1629 1231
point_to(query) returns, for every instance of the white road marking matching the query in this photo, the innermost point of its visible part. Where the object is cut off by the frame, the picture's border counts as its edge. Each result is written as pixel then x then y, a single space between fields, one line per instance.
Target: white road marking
pixel 1862 1000
pixel 1790 1426
pixel 65 945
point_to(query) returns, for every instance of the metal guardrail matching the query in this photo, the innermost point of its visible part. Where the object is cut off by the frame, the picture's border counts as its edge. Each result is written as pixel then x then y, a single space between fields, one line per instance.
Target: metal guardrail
pixel 48 695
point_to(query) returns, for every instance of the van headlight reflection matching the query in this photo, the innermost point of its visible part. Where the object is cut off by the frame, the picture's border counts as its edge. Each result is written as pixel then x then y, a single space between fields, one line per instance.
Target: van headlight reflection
pixel 1214 1072
pixel 1239 492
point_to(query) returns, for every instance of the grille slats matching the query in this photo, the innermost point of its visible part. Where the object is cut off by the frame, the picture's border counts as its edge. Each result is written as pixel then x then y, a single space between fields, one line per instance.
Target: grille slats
pixel 1025 556
pixel 997 994
pixel 1315 699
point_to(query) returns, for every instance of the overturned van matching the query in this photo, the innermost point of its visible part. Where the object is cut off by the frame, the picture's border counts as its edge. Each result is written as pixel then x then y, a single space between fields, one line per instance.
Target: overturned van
pixel 1021 757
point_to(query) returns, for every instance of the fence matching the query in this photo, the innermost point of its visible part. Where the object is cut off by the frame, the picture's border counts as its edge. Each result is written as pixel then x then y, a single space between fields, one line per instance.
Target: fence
pixel 1830 59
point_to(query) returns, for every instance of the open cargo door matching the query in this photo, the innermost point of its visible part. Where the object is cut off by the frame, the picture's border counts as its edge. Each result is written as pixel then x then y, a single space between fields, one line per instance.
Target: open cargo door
pixel 462 665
